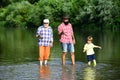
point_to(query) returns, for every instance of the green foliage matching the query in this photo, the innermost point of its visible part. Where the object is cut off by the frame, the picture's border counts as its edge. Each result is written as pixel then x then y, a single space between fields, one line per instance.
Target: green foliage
pixel 4 3
pixel 16 14
pixel 101 13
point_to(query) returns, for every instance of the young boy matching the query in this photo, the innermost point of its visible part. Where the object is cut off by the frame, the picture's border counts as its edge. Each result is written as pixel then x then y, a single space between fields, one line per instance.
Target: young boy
pixel 88 48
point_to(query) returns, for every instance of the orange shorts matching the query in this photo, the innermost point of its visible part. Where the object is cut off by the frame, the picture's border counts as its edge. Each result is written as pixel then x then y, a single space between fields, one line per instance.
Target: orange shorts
pixel 44 52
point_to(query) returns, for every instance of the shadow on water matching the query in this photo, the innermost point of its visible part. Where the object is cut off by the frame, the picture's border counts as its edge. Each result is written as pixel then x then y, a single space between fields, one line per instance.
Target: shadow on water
pixel 19 53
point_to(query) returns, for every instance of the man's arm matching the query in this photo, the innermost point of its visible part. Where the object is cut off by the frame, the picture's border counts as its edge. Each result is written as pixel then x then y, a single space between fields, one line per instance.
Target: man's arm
pixel 73 38
pixel 60 30
pixel 38 33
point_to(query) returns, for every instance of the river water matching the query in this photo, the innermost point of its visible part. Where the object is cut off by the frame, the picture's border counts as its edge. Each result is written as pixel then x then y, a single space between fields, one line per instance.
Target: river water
pixel 19 57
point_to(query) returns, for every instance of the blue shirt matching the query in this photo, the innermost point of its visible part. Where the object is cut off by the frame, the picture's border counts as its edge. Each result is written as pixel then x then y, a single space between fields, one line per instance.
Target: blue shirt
pixel 46 34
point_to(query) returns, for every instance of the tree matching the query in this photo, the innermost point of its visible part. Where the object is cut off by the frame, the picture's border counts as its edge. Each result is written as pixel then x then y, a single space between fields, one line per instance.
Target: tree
pixel 17 14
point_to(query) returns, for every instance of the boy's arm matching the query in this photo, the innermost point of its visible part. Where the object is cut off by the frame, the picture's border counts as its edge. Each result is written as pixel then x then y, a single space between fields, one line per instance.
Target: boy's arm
pixel 97 46
pixel 84 50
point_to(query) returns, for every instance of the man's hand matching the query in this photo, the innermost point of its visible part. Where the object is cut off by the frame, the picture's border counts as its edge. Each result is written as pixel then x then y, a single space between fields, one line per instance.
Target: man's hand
pixel 61 33
pixel 40 37
pixel 73 38
pixel 51 44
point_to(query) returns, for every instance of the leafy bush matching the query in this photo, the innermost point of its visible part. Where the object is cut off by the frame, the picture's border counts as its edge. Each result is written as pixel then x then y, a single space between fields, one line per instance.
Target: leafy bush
pixel 16 14
pixel 101 13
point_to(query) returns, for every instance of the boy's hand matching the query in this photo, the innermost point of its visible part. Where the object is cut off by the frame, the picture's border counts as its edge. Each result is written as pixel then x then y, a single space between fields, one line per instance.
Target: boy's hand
pixel 99 47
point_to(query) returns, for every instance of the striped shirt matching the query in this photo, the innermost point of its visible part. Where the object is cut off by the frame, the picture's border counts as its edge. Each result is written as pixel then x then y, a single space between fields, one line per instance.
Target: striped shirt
pixel 46 34
pixel 68 33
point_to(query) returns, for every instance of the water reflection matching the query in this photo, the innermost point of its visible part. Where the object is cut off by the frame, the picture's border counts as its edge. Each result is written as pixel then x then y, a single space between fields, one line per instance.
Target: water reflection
pixel 68 73
pixel 18 46
pixel 44 72
pixel 89 73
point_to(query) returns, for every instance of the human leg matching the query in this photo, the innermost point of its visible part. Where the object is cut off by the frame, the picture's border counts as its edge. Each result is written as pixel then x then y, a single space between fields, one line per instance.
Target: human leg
pixel 89 63
pixel 71 49
pixel 41 54
pixel 46 54
pixel 94 62
pixel 64 52
pixel 89 59
pixel 63 58
pixel 73 58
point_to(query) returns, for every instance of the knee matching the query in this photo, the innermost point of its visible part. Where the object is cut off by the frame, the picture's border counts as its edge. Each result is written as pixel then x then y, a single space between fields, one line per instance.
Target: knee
pixel 72 54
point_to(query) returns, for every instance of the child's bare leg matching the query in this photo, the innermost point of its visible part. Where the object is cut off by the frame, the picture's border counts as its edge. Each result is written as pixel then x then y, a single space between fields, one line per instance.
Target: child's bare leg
pixel 89 63
pixel 94 62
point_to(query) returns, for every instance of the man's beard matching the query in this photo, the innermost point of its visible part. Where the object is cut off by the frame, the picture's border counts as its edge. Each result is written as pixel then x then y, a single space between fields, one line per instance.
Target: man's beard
pixel 66 23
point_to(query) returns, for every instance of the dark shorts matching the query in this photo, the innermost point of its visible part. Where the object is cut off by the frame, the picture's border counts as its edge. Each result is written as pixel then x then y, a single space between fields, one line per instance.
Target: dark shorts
pixel 90 57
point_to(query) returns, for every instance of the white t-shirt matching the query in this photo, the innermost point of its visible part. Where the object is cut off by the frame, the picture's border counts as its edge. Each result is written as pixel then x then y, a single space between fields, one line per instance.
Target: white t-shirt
pixel 89 48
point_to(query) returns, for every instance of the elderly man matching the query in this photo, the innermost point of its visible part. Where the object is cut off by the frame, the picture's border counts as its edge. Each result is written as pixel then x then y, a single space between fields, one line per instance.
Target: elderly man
pixel 45 37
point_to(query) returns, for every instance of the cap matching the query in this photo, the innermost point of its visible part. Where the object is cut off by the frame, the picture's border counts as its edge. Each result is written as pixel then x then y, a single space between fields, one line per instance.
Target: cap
pixel 65 17
pixel 46 21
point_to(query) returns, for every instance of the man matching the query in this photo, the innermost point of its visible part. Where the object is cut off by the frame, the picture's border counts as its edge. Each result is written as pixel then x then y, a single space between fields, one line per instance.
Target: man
pixel 45 36
pixel 67 39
